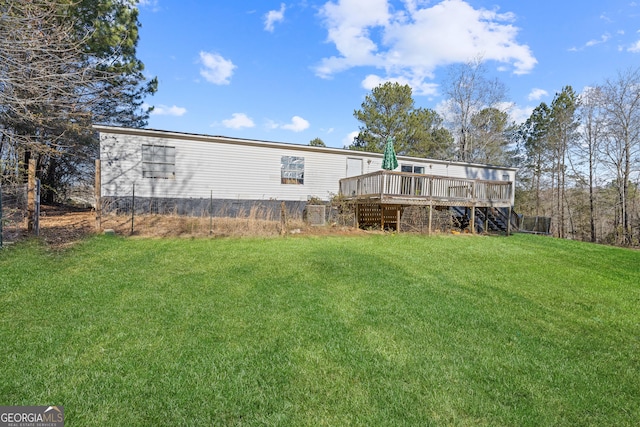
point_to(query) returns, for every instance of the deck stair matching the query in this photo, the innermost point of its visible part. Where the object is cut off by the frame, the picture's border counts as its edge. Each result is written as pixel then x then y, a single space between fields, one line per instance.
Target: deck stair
pixel 493 219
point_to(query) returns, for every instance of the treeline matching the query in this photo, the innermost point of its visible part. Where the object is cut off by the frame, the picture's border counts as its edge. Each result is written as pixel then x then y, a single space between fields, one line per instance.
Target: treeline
pixel 578 157
pixel 579 161
pixel 64 65
pixel 473 127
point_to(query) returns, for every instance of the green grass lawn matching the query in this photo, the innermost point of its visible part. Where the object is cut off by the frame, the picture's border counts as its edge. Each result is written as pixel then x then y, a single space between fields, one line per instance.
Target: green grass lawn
pixel 376 330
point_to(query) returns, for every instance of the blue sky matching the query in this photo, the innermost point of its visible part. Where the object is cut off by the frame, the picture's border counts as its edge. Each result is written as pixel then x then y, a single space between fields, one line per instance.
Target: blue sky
pixel 292 71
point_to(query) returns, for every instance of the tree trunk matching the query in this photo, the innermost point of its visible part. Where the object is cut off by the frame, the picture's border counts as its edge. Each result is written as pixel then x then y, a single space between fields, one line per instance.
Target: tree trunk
pixel 592 222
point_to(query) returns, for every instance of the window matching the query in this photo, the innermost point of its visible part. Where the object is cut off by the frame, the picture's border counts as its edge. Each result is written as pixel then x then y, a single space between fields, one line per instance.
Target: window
pixel 158 161
pixel 412 185
pixel 412 169
pixel 292 170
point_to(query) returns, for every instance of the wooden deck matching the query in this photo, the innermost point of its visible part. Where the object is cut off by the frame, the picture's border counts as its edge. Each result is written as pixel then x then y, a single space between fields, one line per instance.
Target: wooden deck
pixel 390 187
pixel 389 192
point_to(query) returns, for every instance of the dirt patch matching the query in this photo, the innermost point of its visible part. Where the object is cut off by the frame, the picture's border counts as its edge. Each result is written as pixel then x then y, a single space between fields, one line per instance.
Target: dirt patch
pixel 61 226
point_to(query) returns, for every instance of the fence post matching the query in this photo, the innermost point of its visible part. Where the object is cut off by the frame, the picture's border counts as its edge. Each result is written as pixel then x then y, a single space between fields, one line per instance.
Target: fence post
pixel 283 219
pixel 31 194
pixel 98 196
pixel 211 214
pixel 1 216
pixel 36 213
pixel 133 206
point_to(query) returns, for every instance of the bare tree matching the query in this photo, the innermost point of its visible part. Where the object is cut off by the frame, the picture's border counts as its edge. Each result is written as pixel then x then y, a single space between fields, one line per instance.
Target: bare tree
pixel 57 75
pixel 621 149
pixel 582 162
pixel 42 78
pixel 587 151
pixel 491 136
pixel 469 91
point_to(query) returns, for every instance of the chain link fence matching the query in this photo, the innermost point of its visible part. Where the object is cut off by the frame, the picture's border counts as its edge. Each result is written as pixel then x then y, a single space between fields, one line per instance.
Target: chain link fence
pixel 536 225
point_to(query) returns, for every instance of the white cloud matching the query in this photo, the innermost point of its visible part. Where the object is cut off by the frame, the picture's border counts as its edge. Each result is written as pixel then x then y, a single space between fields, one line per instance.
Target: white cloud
pixel 163 110
pixel 635 48
pixel 520 115
pixel 603 39
pixel 348 140
pixel 273 16
pixel 148 2
pixel 418 85
pixel 517 114
pixel 593 42
pixel 413 42
pixel 151 4
pixel 537 94
pixel 606 18
pixel 298 124
pixel 217 70
pixel 238 121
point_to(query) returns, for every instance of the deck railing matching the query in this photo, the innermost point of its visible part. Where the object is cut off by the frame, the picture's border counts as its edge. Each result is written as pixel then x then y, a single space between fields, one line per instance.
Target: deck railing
pixel 393 185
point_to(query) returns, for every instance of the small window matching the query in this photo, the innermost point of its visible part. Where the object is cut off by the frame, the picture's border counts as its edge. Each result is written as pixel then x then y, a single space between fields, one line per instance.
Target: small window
pixel 412 169
pixel 158 161
pixel 292 170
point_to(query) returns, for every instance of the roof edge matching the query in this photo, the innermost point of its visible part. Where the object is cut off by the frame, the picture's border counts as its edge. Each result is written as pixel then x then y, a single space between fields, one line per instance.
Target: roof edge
pixel 264 143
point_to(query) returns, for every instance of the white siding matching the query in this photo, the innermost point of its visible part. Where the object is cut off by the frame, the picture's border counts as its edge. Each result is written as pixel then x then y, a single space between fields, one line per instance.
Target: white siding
pixel 241 169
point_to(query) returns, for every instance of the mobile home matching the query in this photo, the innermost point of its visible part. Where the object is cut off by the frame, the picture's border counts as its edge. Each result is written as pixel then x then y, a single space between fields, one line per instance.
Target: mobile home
pixel 193 172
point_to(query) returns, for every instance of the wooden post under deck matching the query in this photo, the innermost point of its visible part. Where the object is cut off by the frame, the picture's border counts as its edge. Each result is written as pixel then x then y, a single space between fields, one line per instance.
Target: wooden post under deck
pixel 356 220
pixel 486 220
pixel 398 219
pixel 473 220
pixel 430 217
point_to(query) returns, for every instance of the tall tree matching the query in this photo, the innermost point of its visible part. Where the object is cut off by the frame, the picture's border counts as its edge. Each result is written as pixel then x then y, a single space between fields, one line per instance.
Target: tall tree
pixel 621 97
pixel 535 133
pixel 317 142
pixel 113 27
pixel 65 65
pixel 591 136
pixel 42 75
pixel 389 111
pixel 469 91
pixel 562 134
pixel 490 132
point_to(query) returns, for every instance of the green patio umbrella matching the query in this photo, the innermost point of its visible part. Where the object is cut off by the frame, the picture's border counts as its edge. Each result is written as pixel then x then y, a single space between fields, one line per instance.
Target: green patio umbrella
pixel 389 160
